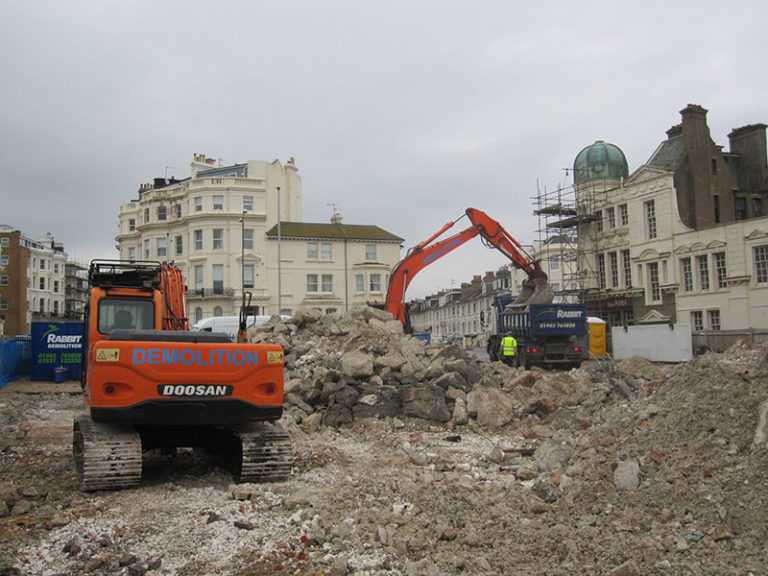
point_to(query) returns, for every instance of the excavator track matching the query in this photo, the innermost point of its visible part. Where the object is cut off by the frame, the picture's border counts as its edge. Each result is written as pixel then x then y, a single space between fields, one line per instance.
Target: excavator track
pixel 107 456
pixel 266 452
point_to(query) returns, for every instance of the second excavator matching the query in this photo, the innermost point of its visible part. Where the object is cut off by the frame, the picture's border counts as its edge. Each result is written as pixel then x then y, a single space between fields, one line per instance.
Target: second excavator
pixel 536 288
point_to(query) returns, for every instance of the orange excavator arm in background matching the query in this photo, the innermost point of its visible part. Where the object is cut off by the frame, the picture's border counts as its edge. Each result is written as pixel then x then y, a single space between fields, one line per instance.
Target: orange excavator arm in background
pixel 174 292
pixel 425 253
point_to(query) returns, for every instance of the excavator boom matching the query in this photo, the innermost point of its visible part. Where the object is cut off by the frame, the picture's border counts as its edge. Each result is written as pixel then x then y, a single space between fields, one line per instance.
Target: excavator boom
pixel 174 292
pixel 535 288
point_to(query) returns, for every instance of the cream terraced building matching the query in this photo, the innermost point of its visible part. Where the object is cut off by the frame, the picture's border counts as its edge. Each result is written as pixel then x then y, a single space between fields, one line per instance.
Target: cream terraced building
pixel 220 226
pixel 332 267
pixel 681 240
pixel 684 238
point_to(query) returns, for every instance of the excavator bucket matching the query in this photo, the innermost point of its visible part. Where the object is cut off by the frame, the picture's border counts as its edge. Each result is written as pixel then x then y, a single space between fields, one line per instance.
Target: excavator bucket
pixel 535 290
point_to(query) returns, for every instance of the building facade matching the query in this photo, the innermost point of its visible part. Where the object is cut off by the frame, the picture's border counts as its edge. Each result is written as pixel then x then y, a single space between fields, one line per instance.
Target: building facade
pixel 683 239
pixel 236 230
pixel 558 258
pixel 76 290
pixel 334 266
pixel 32 280
pixel 465 315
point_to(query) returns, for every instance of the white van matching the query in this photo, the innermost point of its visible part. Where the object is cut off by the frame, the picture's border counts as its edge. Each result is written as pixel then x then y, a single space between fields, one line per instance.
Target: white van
pixel 228 324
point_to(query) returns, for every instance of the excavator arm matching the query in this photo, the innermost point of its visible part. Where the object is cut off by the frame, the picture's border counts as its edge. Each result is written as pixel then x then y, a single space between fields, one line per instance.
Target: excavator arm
pixel 423 254
pixel 174 290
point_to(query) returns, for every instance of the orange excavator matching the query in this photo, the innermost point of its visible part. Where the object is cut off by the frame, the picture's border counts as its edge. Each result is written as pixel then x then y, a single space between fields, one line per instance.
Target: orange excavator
pixel 151 384
pixel 536 288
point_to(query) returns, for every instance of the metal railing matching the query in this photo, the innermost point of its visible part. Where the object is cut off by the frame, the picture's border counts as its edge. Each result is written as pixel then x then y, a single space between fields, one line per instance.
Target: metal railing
pixel 214 292
pixel 721 340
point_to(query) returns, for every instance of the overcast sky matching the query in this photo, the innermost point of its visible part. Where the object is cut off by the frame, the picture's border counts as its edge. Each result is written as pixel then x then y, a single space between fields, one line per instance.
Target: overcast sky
pixel 402 114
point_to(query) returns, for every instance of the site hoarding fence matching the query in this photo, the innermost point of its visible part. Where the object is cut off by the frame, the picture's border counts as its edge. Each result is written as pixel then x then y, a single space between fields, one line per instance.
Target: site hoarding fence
pixel 56 345
pixel 15 357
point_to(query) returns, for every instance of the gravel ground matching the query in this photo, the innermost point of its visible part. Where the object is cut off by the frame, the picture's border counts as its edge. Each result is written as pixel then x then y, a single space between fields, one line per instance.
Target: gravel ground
pixel 625 468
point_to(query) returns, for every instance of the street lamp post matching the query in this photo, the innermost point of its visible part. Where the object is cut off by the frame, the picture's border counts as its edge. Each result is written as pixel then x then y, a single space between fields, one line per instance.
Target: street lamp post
pixel 242 257
pixel 279 259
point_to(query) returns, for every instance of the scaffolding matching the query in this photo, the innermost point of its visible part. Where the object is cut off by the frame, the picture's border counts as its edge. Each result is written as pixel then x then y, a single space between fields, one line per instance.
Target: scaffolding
pixel 569 237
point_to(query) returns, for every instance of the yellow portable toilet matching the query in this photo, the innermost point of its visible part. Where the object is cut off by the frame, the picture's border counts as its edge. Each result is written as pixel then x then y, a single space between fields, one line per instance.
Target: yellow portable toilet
pixel 597 341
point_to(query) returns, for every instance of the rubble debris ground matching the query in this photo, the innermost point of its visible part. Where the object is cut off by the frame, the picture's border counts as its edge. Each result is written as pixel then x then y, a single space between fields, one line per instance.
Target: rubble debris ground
pixel 415 460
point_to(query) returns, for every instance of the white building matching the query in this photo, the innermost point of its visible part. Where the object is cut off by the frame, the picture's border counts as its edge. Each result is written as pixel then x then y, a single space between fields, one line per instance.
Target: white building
pixel 46 275
pixel 683 239
pixel 220 226
pixel 557 256
pixel 466 314
pixel 332 266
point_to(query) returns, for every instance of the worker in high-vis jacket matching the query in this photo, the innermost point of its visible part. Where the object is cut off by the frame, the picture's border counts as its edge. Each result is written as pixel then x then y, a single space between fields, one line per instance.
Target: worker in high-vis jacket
pixel 508 349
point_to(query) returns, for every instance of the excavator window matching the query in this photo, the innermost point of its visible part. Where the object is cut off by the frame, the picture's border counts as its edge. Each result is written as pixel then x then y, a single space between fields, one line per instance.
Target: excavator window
pixel 125 314
pixel 123 319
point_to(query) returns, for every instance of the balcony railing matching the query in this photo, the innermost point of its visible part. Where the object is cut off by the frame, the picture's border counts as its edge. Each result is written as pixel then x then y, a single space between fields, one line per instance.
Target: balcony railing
pixel 223 181
pixel 215 292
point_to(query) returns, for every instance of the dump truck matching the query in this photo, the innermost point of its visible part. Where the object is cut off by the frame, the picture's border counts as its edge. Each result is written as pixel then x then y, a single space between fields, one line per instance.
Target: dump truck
pixel 548 335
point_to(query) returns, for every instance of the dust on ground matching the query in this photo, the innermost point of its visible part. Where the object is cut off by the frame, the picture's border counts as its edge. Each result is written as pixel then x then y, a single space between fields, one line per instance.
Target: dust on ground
pixel 620 468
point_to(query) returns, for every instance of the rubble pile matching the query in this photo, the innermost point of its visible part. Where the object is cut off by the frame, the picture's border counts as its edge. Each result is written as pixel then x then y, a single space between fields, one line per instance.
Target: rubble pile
pixel 617 468
pixel 339 368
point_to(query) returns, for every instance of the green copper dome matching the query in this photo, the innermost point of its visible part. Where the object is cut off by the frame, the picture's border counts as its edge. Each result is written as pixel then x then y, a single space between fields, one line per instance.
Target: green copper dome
pixel 599 161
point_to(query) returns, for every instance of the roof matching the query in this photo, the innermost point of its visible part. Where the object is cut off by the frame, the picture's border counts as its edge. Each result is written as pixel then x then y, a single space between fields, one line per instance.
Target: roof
pixel 668 154
pixel 599 161
pixel 333 232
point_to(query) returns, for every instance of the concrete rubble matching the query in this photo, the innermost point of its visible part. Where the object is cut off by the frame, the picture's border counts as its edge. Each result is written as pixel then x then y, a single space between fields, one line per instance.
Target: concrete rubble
pixel 418 460
pixel 361 365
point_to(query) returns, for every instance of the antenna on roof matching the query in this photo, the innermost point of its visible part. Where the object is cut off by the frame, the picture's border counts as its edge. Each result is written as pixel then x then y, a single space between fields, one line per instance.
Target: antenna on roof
pixel 335 216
